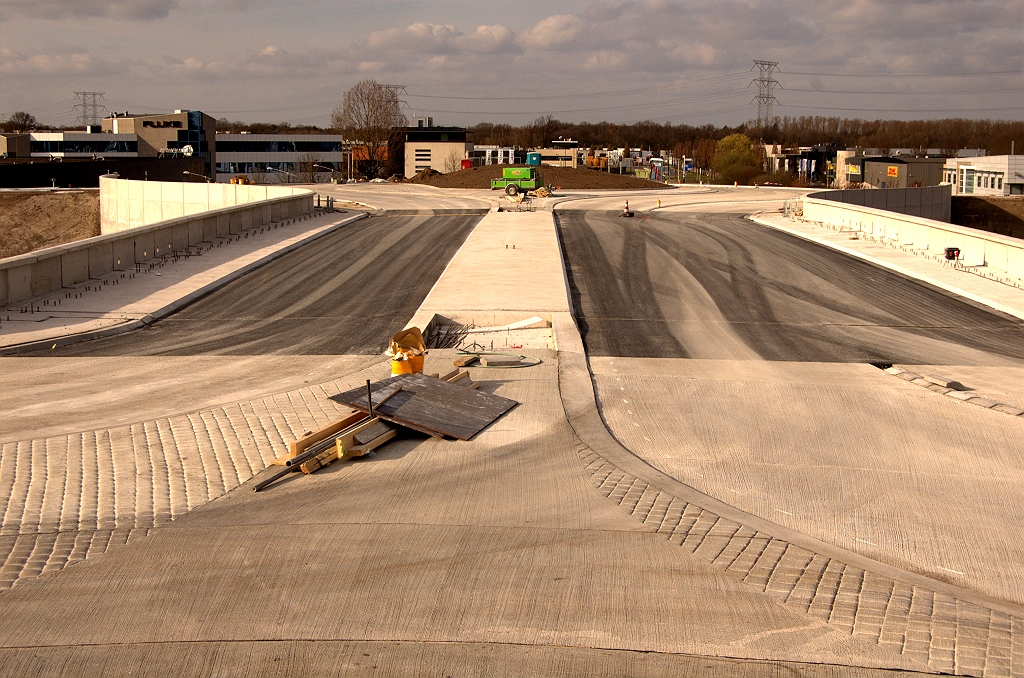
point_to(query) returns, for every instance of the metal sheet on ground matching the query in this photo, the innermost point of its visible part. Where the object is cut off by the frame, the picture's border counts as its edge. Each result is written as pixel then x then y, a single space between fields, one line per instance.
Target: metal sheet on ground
pixel 345 293
pixel 430 405
pixel 718 286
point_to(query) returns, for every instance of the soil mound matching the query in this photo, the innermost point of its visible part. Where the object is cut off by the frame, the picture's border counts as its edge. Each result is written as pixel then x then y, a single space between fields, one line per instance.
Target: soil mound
pixel 32 220
pixel 562 177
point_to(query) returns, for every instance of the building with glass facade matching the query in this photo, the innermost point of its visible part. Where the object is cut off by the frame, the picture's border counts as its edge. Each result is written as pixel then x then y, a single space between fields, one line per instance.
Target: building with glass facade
pixel 279 157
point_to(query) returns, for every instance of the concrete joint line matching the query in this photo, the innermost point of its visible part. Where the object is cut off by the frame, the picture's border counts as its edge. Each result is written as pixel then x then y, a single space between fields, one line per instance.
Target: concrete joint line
pixel 178 303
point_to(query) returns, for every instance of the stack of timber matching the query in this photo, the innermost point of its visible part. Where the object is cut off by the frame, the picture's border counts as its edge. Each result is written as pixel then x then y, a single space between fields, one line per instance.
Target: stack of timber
pixel 439 406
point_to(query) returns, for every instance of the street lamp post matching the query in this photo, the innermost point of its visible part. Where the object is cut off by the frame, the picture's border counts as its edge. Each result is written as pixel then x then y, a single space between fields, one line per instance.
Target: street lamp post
pixel 272 169
pixel 193 174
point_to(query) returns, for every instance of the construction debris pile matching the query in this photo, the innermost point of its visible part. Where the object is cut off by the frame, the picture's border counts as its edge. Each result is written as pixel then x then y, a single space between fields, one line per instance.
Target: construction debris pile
pixel 441 406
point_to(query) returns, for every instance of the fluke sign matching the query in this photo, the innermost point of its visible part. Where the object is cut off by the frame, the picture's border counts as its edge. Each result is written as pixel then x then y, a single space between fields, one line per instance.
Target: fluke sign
pixel 162 123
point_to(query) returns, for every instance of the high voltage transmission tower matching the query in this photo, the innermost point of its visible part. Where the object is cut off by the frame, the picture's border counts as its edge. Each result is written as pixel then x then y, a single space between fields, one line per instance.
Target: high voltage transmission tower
pixel 398 90
pixel 766 85
pixel 89 107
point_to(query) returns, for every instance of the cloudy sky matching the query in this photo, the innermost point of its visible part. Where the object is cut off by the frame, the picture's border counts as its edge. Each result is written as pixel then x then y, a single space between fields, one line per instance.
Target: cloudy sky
pixel 465 61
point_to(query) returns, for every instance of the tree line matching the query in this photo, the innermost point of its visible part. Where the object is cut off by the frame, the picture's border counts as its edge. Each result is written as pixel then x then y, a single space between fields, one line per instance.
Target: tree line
pixel 995 136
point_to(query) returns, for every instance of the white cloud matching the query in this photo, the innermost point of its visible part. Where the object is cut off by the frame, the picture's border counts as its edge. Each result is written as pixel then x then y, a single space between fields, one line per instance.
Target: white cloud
pixel 58 62
pixel 555 31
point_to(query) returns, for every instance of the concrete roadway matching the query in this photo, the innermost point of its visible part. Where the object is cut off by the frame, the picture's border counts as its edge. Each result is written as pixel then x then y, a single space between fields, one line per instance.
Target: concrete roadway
pixel 343 294
pixel 733 357
pixel 520 552
pixel 717 286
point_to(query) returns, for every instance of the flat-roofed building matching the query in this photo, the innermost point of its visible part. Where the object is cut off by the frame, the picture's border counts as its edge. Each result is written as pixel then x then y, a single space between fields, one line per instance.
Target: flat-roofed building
pixel 441 149
pixel 279 155
pixel 188 133
pixel 989 175
pixel 83 145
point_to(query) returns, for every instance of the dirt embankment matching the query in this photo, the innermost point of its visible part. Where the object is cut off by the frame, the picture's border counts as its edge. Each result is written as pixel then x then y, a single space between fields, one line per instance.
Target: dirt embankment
pixel 1003 215
pixel 561 177
pixel 33 220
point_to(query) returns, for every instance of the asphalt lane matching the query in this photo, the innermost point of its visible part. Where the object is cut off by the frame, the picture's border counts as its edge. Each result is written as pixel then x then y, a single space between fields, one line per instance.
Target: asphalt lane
pixel 684 285
pixel 345 293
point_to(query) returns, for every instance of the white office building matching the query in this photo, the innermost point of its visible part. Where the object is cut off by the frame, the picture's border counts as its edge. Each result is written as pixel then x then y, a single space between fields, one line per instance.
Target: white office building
pixel 990 175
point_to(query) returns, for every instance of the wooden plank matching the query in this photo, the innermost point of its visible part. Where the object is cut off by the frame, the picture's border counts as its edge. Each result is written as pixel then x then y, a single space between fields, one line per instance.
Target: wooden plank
pixel 448 377
pixel 434 406
pixel 466 360
pixel 380 396
pixel 375 431
pixel 301 444
pixel 459 377
pixel 319 461
pixel 345 441
pixel 360 450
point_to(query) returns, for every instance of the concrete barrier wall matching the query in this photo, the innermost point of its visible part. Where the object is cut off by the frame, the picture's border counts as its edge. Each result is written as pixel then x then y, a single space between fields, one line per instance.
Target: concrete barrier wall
pixel 128 204
pixel 931 202
pixel 47 270
pixel 977 248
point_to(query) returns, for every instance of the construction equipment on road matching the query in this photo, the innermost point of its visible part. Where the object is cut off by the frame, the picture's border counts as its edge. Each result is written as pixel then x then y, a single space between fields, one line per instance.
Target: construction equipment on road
pixel 515 180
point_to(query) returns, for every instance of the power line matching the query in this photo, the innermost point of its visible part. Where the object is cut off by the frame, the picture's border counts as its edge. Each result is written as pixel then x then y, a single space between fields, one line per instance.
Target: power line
pixel 629 106
pixel 592 95
pixel 905 75
pixel 950 91
pixel 911 110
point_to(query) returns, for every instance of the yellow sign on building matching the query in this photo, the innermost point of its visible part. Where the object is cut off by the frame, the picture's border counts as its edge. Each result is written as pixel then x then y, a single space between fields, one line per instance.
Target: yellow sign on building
pixel 894 171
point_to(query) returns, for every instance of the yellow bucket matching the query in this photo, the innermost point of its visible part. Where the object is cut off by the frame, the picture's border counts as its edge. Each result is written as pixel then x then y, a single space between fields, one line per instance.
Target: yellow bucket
pixel 414 365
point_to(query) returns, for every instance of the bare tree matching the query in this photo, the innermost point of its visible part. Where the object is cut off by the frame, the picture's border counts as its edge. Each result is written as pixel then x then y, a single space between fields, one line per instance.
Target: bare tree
pixel 367 114
pixel 453 163
pixel 258 173
pixel 309 164
pixel 20 121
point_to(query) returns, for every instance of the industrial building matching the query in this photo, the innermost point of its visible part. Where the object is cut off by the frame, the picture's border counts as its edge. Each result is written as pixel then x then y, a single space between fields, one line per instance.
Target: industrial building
pixel 893 172
pixel 990 175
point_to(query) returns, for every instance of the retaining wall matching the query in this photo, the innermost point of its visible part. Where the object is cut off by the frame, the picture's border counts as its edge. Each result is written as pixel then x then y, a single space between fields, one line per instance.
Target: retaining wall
pixel 931 202
pixel 977 248
pixel 128 204
pixel 37 273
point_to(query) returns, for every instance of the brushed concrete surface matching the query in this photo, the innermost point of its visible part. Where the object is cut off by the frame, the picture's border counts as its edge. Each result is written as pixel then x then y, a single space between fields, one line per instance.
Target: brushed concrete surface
pixel 509 265
pixel 844 453
pixel 499 540
pixel 96 393
pixel 399 658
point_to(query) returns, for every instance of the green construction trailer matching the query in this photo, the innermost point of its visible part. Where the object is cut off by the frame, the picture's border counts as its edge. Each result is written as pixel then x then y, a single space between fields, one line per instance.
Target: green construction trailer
pixel 517 180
